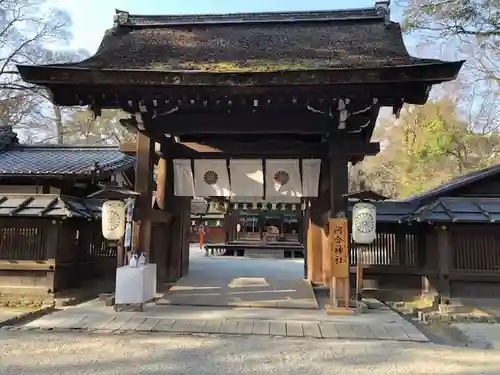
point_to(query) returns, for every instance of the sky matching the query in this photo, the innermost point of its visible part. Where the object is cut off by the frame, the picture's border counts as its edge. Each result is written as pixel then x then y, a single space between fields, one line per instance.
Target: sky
pixel 92 17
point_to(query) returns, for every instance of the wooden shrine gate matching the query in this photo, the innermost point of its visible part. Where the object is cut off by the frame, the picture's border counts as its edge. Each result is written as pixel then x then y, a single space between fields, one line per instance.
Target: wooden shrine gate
pixel 247 86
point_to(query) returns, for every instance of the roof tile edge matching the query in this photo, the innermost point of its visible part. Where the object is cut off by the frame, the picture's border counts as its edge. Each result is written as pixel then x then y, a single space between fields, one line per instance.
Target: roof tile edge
pixel 380 11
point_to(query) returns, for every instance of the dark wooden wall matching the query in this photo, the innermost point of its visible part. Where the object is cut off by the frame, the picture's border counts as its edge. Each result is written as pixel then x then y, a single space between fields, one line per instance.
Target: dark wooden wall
pixel 43 256
pixel 454 261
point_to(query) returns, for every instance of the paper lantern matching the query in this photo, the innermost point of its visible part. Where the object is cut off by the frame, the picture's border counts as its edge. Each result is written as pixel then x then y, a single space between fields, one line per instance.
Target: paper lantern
pixel 364 220
pixel 113 220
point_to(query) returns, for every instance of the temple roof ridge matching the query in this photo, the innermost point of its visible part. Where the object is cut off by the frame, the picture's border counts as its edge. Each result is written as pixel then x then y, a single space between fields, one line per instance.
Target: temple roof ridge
pixel 380 12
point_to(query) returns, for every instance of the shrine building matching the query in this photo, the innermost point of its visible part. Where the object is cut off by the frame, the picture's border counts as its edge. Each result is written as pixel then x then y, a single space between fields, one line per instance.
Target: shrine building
pixel 260 105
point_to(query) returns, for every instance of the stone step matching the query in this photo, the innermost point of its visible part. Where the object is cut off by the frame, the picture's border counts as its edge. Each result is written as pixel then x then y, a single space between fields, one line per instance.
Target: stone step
pixel 275 254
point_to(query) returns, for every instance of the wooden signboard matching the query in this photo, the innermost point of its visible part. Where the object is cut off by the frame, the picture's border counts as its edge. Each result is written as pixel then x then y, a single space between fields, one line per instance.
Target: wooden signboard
pixel 339 248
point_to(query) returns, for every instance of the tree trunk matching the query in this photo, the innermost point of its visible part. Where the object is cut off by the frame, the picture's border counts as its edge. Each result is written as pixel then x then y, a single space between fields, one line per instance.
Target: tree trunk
pixel 59 124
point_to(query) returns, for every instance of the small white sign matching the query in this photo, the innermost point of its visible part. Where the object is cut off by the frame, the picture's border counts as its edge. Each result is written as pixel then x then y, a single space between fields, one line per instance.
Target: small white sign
pixel 238 227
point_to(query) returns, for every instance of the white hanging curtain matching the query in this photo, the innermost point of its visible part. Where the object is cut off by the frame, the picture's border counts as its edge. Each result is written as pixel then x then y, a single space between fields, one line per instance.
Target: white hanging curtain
pixel 183 178
pixel 211 178
pixel 310 177
pixel 247 178
pixel 283 178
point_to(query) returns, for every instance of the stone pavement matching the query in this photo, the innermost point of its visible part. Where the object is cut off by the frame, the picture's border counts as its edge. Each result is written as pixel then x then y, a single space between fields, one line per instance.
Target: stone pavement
pixel 242 282
pixel 93 317
pixel 195 290
pixel 222 319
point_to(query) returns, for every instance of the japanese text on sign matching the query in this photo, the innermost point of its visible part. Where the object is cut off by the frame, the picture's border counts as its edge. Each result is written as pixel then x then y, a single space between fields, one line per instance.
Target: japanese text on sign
pixel 339 247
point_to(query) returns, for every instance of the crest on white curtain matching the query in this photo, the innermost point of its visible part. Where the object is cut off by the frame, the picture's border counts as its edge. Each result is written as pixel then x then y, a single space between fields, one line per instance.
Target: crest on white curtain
pixel 211 178
pixel 183 178
pixel 247 177
pixel 310 177
pixel 283 178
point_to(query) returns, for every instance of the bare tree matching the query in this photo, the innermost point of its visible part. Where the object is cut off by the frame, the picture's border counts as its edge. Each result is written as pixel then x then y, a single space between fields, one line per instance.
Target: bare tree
pixel 31 32
pixel 467 29
pixel 82 127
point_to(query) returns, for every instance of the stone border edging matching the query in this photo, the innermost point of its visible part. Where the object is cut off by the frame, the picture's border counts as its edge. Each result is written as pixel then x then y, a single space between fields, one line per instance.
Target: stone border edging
pixel 30 315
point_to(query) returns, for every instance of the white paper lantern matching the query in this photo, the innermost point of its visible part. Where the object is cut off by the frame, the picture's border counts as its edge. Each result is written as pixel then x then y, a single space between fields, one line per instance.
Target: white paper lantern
pixel 364 220
pixel 113 220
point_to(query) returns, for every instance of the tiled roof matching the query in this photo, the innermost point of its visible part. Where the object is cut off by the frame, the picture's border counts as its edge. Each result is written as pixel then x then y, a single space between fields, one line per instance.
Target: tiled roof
pixel 389 211
pixel 48 205
pixel 454 184
pixel 63 161
pixel 464 210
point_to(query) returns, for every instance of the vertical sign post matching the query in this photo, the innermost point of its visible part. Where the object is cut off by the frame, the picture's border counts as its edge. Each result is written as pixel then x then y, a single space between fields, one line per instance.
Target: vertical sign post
pixel 339 252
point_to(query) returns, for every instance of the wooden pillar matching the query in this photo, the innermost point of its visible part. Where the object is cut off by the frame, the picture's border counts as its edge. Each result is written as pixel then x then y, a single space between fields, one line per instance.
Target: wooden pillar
pixel 318 269
pixel 444 257
pixel 326 256
pixel 143 185
pixel 51 249
pixel 339 185
pixel 161 230
pixel 261 222
pixel 175 244
pixel 185 218
pixel 174 251
pixel 401 247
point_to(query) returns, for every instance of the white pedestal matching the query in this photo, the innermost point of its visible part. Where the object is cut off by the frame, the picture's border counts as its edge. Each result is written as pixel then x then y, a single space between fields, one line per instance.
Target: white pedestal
pixel 135 285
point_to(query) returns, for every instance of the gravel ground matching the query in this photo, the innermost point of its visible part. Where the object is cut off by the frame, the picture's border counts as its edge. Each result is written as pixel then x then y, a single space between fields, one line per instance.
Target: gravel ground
pixel 30 353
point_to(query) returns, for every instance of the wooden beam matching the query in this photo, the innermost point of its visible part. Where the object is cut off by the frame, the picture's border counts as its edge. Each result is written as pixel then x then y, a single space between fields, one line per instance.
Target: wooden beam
pixel 27 265
pixel 355 148
pixel 268 149
pixel 224 123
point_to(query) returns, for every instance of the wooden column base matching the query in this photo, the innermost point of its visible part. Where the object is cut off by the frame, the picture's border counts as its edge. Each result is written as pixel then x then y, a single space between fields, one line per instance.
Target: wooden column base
pixel 339 292
pixel 340 311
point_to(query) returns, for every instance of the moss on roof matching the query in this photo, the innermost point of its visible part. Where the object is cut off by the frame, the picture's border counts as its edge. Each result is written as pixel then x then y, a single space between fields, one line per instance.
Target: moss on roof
pixel 254 47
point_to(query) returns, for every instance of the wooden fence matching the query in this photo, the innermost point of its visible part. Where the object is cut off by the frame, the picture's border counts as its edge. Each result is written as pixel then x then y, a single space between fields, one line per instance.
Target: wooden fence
pixel 22 242
pixel 44 256
pixel 396 246
pixel 458 260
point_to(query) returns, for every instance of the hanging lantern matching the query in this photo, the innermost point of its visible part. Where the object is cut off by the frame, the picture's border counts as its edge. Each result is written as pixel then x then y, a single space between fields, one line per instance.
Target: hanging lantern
pixel 113 220
pixel 364 220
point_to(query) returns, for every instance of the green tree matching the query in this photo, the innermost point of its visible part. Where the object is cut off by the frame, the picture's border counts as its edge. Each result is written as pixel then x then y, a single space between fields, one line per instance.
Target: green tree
pixel 427 146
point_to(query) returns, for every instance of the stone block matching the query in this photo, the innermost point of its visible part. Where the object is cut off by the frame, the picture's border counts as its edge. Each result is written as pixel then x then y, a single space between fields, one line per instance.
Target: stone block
pixel 129 307
pixel 135 285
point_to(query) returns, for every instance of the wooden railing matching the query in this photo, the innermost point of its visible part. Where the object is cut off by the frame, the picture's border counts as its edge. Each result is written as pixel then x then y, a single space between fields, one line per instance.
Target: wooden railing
pixel 23 243
pixel 391 248
pixel 475 249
